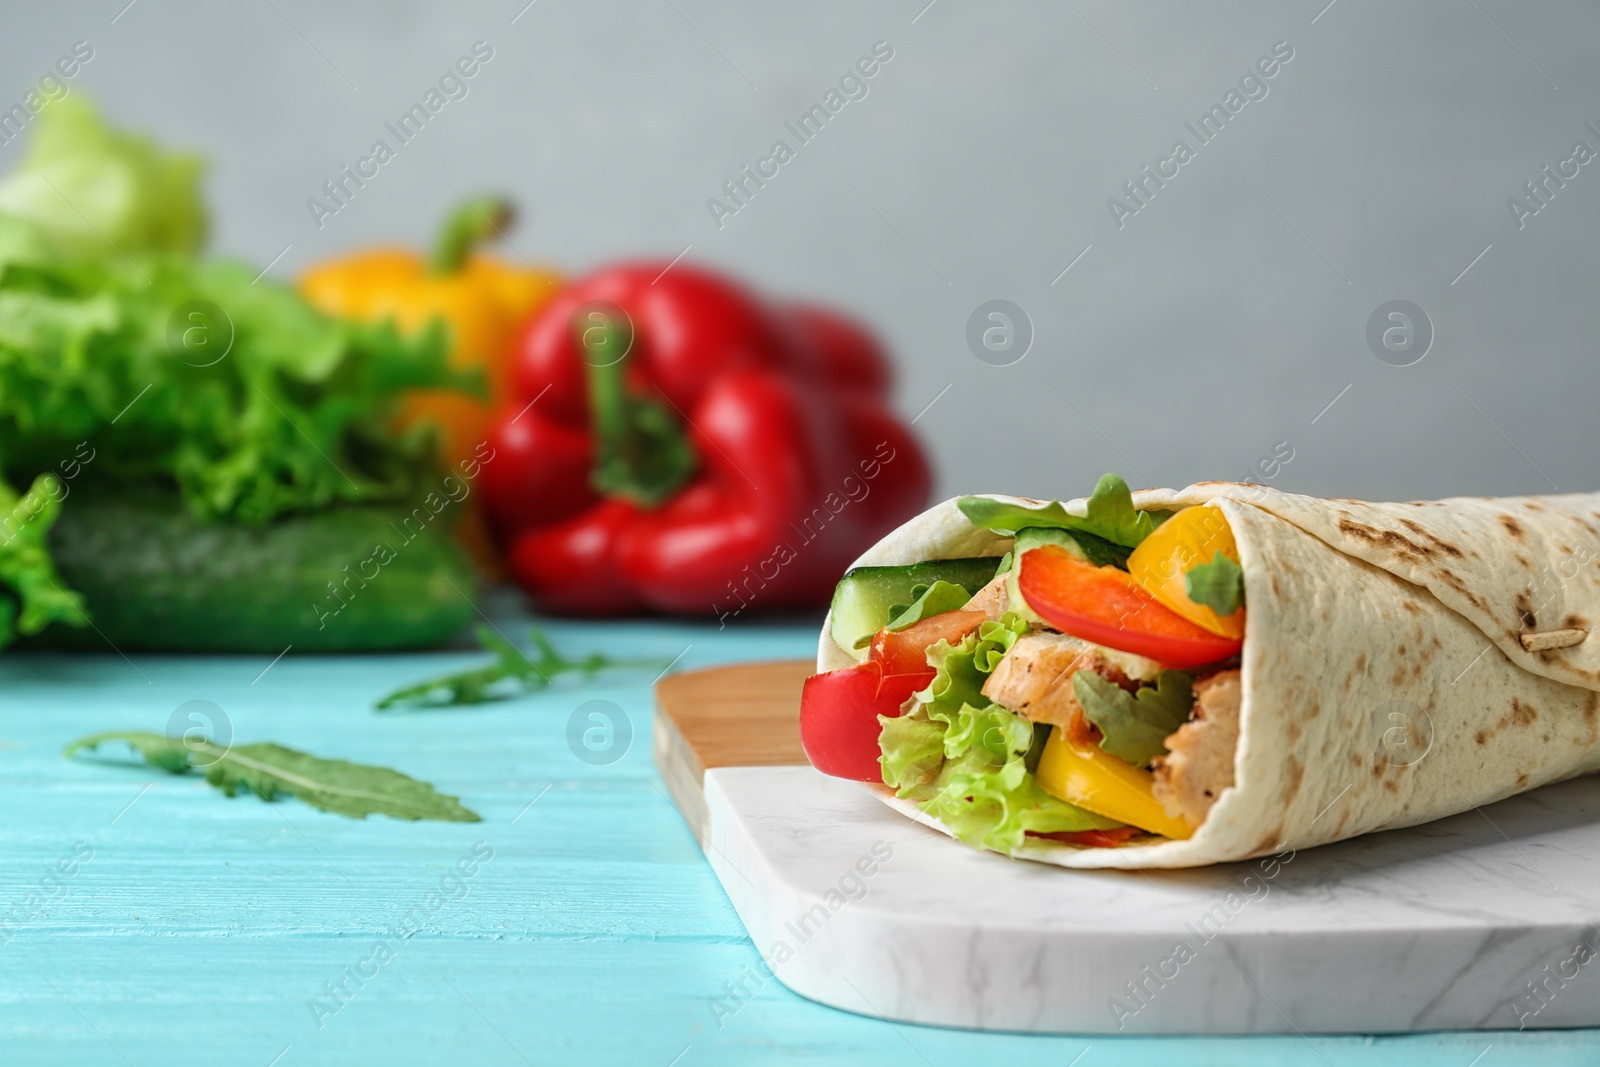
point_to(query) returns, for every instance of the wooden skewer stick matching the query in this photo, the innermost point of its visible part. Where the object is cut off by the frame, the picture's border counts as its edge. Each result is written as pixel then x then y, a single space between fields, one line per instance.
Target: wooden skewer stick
pixel 1552 639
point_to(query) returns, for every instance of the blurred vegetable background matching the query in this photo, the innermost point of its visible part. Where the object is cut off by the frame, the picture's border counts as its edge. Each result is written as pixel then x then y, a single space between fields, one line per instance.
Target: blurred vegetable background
pixel 131 367
pixel 481 299
pixel 198 458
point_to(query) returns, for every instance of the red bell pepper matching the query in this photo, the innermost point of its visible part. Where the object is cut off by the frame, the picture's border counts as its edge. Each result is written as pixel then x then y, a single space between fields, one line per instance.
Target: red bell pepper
pixel 675 444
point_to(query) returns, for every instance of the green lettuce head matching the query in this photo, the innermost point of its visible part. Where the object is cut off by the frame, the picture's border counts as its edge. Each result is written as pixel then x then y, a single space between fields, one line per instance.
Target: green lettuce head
pixel 95 192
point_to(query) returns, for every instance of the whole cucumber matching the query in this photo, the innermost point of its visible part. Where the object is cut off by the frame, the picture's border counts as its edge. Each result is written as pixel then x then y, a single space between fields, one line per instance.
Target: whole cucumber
pixel 155 579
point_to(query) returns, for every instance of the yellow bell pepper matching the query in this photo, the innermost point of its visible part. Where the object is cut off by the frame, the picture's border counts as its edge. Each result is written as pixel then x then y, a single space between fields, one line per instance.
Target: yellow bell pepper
pixel 1191 537
pixel 482 300
pixel 1086 775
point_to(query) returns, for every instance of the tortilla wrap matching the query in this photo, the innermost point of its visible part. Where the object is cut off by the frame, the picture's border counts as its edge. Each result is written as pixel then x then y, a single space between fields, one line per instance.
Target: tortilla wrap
pixel 1384 678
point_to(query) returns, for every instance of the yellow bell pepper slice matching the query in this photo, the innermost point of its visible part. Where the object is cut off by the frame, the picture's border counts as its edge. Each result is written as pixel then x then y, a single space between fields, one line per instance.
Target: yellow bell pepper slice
pixel 1095 780
pixel 1191 537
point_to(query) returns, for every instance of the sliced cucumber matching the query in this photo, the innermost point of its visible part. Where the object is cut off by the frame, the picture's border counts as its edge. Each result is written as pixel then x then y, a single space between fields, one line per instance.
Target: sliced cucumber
pixel 1038 536
pixel 862 600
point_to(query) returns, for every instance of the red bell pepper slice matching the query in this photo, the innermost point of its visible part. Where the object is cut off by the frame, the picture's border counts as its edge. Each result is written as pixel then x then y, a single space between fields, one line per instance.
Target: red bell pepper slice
pixel 1103 605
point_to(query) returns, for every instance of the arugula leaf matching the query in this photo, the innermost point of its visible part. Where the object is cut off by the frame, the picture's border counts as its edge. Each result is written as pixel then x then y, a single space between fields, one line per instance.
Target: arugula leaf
pixel 1041 735
pixel 1218 584
pixel 928 600
pixel 1134 727
pixel 1110 514
pixel 480 685
pixel 268 770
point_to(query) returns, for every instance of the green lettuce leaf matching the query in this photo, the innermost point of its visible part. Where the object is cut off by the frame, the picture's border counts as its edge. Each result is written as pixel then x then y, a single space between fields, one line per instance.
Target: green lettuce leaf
pixel 99 192
pixel 32 594
pixel 997 806
pixel 1134 727
pixel 956 680
pixel 999 733
pixel 22 242
pixel 1218 584
pixel 913 750
pixel 994 639
pixel 963 759
pixel 259 407
pixel 984 793
pixel 960 670
pixel 1110 515
pixel 928 600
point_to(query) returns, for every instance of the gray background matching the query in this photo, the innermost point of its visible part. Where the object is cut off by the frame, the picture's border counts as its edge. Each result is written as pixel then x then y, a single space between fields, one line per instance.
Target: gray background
pixel 1219 321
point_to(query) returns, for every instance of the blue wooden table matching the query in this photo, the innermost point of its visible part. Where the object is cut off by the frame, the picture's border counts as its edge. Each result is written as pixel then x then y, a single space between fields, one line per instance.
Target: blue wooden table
pixel 146 919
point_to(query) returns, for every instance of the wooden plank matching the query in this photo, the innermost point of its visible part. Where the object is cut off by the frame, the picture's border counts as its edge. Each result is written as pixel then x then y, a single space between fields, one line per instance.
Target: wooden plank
pixel 741 716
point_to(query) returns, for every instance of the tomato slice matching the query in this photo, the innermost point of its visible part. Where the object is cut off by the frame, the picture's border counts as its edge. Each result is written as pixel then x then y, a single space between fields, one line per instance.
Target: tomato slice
pixel 839 717
pixel 1092 838
pixel 839 709
pixel 1103 605
pixel 905 652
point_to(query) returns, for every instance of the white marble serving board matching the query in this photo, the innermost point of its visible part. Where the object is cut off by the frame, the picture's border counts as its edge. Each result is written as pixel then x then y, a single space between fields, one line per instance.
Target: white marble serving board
pixel 1490 919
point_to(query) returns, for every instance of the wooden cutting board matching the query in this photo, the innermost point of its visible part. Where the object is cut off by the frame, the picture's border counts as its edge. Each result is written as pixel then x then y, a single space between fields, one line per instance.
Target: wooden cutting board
pixel 1487 920
pixel 742 716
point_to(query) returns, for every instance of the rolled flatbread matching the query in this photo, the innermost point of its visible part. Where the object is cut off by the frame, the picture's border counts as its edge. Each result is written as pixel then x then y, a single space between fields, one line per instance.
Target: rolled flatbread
pixel 1402 661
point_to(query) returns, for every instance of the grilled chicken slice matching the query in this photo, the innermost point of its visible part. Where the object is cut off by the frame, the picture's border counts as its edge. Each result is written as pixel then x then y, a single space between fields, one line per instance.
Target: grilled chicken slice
pixel 1035 677
pixel 991 599
pixel 1199 761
